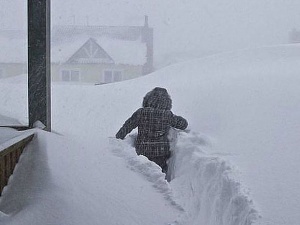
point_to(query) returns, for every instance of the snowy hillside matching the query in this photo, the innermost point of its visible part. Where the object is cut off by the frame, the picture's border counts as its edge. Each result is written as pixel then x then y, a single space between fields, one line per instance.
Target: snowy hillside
pixel 237 165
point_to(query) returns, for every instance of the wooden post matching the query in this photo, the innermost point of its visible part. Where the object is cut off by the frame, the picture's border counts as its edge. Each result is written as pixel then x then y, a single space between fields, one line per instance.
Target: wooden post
pixel 2 174
pixel 39 82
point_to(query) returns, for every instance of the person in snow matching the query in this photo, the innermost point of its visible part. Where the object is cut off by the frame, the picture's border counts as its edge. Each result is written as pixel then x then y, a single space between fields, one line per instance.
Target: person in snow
pixel 153 120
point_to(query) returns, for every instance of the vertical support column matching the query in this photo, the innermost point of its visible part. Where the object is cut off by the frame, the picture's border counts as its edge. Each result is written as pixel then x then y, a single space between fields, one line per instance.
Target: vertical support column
pixel 39 81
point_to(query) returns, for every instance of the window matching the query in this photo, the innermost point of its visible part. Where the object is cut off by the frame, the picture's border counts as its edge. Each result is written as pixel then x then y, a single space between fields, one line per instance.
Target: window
pixel 70 75
pixel 112 76
pixel 65 75
pixel 117 76
pixel 74 75
pixel 108 77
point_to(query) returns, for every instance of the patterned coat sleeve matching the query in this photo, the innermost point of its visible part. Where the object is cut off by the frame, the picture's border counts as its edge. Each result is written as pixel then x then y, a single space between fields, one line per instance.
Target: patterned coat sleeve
pixel 179 122
pixel 129 125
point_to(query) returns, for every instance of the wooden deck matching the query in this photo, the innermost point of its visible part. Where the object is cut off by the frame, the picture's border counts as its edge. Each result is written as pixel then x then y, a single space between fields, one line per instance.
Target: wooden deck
pixel 12 145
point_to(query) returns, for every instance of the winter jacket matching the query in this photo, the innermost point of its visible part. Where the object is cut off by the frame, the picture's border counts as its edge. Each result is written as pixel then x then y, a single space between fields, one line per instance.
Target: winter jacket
pixel 153 120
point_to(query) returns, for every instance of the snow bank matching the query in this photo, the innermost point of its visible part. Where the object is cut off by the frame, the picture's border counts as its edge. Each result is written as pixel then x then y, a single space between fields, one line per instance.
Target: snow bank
pixel 30 189
pixel 7 121
pixel 207 185
pixel 59 181
pixel 203 186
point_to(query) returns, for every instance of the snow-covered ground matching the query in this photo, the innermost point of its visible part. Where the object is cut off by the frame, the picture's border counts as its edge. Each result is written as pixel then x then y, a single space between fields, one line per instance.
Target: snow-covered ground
pixel 237 164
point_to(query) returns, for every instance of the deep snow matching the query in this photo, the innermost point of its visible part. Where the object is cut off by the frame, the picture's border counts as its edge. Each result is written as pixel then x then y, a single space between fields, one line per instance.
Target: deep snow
pixel 237 164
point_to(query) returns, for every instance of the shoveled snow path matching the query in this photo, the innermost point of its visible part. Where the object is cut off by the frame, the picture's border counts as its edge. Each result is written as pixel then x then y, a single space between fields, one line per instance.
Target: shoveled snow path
pixel 203 185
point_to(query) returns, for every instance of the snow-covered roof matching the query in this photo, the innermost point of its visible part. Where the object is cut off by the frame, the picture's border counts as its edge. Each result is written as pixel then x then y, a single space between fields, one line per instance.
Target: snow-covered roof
pixel 125 51
pixel 131 33
pixel 121 51
pixel 124 45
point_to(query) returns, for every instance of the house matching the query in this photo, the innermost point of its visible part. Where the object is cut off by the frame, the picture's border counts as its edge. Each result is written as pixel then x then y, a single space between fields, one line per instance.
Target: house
pixel 88 54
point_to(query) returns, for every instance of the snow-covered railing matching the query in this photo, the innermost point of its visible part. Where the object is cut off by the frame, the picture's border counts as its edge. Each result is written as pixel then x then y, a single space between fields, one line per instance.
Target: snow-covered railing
pixel 16 127
pixel 10 152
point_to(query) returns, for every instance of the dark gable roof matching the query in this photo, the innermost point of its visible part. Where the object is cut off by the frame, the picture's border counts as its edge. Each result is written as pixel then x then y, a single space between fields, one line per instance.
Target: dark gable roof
pixel 90 52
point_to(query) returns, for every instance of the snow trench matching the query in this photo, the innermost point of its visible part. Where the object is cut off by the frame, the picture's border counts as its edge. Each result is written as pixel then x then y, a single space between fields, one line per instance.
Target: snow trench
pixel 141 164
pixel 202 185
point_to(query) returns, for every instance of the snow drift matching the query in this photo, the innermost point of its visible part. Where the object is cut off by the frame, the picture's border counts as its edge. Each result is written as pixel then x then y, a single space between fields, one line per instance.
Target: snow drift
pixel 246 107
pixel 207 186
pixel 247 102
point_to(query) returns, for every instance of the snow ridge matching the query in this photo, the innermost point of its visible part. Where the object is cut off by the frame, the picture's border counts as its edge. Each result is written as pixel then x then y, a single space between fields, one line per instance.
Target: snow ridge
pixel 206 186
pixel 141 164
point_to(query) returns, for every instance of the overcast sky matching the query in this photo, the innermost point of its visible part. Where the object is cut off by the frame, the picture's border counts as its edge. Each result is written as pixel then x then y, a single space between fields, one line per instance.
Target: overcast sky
pixel 179 25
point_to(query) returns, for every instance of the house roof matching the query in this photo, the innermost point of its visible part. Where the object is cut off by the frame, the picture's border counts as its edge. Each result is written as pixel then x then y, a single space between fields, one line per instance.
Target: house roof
pixel 90 52
pixel 120 45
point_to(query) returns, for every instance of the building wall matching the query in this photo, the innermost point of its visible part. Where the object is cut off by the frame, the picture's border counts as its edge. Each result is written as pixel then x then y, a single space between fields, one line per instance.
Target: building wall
pixel 94 73
pixel 89 73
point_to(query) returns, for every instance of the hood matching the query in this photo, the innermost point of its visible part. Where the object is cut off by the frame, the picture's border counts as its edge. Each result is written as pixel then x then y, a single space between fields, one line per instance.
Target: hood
pixel 158 98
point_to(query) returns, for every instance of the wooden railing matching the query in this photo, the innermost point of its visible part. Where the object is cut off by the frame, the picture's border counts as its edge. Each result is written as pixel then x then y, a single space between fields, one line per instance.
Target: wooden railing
pixel 9 157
